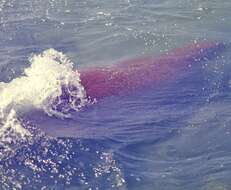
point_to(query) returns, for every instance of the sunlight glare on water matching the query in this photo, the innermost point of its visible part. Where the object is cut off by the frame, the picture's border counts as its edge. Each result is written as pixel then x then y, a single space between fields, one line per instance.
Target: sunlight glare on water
pixel 174 136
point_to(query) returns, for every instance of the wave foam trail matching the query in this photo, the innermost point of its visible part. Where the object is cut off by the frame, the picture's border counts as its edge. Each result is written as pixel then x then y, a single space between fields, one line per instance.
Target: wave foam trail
pixel 50 84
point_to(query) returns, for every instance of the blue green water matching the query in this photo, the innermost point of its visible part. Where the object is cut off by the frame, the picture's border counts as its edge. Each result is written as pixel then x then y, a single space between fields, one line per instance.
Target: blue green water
pixel 172 137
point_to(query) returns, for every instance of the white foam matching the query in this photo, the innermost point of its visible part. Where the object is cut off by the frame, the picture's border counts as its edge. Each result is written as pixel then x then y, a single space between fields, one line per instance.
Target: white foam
pixel 13 124
pixel 42 83
pixel 41 87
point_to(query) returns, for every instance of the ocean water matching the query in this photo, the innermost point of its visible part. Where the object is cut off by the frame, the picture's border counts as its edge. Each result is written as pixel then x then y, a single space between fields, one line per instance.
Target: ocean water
pixel 170 136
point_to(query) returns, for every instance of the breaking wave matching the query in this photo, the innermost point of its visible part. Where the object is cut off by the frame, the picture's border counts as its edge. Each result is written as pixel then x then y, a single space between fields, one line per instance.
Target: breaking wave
pixel 29 159
pixel 49 84
pixel 45 85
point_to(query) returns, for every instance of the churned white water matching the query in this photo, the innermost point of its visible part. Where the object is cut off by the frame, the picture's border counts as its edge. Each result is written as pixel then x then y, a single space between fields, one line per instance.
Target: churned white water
pixel 40 87
pixel 41 83
pixel 173 137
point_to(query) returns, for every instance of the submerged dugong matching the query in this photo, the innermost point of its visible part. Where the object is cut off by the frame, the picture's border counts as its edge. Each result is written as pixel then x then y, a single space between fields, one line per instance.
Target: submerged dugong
pixel 129 75
pixel 122 79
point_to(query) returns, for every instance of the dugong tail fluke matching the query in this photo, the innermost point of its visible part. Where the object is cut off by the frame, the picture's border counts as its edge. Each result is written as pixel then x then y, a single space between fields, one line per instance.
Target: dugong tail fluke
pixel 130 75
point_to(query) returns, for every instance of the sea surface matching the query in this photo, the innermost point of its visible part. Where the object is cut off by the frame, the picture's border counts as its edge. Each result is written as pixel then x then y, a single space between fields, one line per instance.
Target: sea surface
pixel 172 136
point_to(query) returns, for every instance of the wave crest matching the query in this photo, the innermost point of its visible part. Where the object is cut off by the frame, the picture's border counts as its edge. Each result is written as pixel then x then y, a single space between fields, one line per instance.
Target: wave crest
pixel 50 83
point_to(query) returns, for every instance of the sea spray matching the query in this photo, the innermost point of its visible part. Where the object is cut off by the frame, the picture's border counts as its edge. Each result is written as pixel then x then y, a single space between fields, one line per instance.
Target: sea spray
pixel 49 84
pixel 13 135
pixel 43 84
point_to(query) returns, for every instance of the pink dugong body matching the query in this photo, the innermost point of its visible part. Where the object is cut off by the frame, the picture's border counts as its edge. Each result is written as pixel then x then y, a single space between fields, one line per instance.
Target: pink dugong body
pixel 122 79
pixel 143 72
